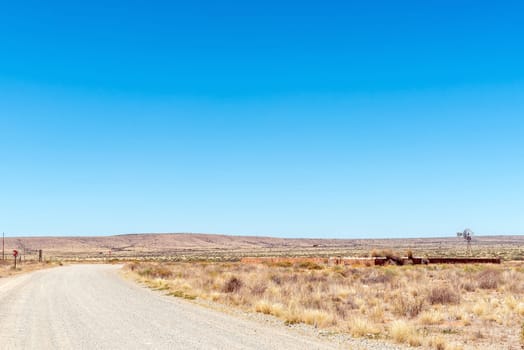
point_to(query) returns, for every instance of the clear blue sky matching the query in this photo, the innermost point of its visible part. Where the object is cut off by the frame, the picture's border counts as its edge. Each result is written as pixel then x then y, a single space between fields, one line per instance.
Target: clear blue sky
pixel 313 119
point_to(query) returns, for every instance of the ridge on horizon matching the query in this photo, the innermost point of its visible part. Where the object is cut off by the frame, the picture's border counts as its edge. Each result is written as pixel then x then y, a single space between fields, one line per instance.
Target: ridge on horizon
pixel 234 235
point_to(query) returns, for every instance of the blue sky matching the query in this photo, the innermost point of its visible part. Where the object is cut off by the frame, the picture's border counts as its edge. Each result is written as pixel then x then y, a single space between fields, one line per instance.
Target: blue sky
pixel 295 119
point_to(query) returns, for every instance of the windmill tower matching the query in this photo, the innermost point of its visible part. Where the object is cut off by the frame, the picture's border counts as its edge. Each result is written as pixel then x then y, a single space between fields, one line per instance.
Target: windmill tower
pixel 467 234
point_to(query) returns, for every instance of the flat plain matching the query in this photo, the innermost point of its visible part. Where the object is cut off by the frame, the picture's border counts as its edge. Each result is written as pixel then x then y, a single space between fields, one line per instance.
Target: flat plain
pixel 437 306
pixel 189 247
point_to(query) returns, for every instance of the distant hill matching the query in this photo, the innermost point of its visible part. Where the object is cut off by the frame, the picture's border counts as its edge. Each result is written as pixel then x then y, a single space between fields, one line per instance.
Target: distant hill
pixel 171 245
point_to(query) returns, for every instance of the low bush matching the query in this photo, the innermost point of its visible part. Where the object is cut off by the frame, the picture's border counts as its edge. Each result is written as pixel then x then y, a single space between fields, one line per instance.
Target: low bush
pixel 155 272
pixel 310 265
pixel 443 295
pixel 489 279
pixel 233 285
pixel 408 305
pixel 258 289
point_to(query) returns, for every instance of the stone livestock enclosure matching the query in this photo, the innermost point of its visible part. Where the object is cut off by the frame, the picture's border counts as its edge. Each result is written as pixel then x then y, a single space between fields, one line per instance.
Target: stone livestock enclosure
pixel 368 261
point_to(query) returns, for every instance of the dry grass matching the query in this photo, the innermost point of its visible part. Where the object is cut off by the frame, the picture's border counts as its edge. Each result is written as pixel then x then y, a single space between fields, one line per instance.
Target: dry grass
pixel 443 294
pixel 438 342
pixel 404 332
pixel 431 318
pixel 7 268
pixel 362 327
pixel 489 279
pixel 435 306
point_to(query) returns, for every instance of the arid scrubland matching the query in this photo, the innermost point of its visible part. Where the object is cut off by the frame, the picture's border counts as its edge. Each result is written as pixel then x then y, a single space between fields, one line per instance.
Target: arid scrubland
pixel 7 266
pixel 432 306
pixel 209 247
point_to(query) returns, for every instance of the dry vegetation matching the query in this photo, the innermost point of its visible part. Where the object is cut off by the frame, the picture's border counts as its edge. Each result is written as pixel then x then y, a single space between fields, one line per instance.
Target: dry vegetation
pixel 435 306
pixel 7 268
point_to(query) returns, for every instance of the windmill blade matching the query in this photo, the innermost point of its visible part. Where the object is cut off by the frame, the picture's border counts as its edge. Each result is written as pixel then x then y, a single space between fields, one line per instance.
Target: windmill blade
pixel 468 232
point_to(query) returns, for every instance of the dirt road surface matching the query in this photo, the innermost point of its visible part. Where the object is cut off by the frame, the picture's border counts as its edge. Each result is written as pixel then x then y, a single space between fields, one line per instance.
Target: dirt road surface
pixel 92 307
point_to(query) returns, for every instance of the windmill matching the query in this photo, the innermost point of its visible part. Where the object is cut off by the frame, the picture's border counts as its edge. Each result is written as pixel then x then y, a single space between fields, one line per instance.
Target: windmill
pixel 467 234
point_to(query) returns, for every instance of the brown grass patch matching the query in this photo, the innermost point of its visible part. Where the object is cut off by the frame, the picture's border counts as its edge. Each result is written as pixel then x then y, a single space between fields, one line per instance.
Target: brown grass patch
pixel 233 285
pixel 428 305
pixel 489 279
pixel 443 295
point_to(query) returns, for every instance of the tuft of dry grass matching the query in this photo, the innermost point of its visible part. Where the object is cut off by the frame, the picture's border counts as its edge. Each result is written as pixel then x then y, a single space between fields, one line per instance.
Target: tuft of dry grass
pixel 269 308
pixel 520 309
pixel 481 308
pixel 403 332
pixel 155 271
pixel 362 327
pixel 437 342
pixel 431 317
pixel 316 317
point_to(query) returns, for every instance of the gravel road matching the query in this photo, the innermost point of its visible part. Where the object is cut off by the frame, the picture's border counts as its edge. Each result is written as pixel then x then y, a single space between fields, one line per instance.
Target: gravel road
pixel 92 307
